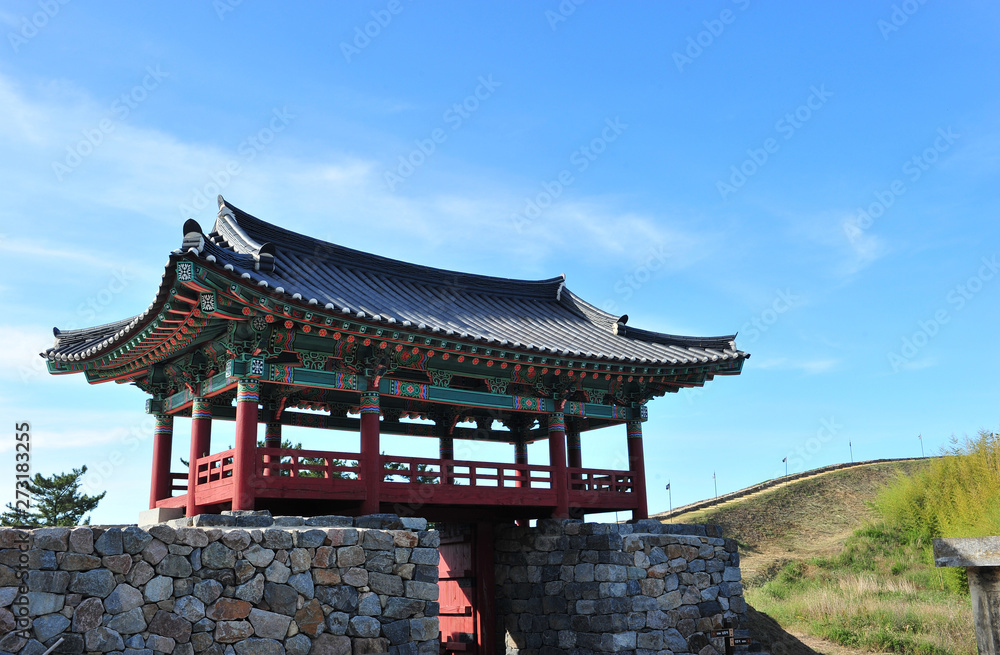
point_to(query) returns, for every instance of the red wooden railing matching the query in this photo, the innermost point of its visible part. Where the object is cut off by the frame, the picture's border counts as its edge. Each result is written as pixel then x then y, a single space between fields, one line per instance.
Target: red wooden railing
pixel 290 462
pixel 215 470
pixel 458 472
pixel 178 477
pixel 600 481
pixel 295 473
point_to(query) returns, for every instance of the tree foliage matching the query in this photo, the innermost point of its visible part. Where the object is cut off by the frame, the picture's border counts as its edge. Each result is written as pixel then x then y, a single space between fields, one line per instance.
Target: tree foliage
pixel 57 501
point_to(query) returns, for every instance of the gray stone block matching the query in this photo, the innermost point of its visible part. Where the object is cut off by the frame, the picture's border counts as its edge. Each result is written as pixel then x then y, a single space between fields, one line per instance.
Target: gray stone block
pixel 208 591
pixel 298 645
pixel 379 522
pixel 159 588
pixel 421 590
pixel 103 639
pixel 342 598
pixel 309 538
pixel 398 632
pixel 217 556
pixel 336 622
pixel 423 629
pixel 364 626
pixel 129 623
pixel 402 608
pixel 46 627
pixel 98 582
pixel 330 521
pixel 278 539
pixel 389 585
pixel 55 539
pixel 422 555
pixel 53 582
pixel 413 523
pixel 269 625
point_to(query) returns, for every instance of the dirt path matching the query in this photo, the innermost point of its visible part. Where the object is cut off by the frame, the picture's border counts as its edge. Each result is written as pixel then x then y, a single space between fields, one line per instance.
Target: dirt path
pixel 824 647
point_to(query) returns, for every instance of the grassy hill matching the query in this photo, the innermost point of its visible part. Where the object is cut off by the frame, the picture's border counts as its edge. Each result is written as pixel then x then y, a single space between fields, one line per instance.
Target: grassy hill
pixel 805 518
pixel 816 561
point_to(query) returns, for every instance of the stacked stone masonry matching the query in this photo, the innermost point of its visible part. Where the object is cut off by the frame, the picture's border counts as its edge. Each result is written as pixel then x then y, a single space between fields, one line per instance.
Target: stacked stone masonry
pixel 645 588
pixel 236 584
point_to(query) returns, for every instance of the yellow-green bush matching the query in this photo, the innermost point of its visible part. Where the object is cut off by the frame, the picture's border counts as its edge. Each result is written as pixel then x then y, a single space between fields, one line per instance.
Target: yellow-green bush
pixel 957 495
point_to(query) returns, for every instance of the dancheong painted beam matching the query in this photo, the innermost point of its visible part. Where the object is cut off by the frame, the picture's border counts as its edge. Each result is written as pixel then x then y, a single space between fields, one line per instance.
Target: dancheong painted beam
pixel 258 324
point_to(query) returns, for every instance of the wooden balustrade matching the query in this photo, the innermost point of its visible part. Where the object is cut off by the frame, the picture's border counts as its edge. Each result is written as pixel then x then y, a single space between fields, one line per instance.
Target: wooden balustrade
pixel 465 473
pixel 296 473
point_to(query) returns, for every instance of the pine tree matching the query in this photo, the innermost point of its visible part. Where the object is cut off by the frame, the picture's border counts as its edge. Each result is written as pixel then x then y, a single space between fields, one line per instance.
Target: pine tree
pixel 57 502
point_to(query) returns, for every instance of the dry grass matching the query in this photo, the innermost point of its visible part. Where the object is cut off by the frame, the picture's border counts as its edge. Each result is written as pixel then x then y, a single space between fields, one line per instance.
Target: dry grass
pixel 872 612
pixel 814 562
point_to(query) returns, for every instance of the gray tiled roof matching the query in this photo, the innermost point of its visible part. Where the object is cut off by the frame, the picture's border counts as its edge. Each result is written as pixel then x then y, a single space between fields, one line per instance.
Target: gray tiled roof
pixel 540 316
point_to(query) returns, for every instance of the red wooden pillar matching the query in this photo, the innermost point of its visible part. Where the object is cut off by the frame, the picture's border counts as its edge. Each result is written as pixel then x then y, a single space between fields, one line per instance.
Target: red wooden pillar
pixel 573 452
pixel 637 466
pixel 557 461
pixel 272 439
pixel 160 482
pixel 521 457
pixel 446 452
pixel 372 471
pixel 201 445
pixel 245 455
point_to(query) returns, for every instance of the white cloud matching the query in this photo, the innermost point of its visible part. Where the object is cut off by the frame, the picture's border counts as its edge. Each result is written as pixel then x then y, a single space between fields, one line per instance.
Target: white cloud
pixel 154 175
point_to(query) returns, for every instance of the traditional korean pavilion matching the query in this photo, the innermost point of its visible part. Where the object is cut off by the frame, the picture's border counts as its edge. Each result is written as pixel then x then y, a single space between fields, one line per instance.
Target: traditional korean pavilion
pixel 258 324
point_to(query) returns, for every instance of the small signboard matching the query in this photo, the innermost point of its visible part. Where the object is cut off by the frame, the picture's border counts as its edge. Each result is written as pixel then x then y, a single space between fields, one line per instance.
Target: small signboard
pixel 739 641
pixel 718 634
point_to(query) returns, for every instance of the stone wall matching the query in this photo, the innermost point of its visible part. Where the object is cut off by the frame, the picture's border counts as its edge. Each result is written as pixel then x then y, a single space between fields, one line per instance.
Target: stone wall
pixel 644 588
pixel 237 584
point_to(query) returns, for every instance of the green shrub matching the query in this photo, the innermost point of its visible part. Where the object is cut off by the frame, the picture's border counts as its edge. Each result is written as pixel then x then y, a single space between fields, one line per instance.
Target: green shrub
pixel 957 495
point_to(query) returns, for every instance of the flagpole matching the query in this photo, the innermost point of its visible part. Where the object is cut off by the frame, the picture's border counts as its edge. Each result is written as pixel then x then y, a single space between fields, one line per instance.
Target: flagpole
pixel 851 446
pixel 716 483
pixel 670 497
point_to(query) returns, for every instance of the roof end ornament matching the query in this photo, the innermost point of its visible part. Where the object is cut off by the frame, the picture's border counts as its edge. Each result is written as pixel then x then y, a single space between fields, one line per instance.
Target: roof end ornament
pixel 194 237
pixel 619 326
pixel 224 210
pixel 265 258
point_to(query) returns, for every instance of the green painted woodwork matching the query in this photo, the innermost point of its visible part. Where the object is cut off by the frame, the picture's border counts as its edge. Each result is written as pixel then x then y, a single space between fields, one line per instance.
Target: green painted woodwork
pixel 208 301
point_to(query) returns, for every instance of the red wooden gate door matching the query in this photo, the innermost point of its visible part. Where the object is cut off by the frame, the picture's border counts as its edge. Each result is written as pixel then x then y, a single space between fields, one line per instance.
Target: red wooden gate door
pixel 457 591
pixel 465 574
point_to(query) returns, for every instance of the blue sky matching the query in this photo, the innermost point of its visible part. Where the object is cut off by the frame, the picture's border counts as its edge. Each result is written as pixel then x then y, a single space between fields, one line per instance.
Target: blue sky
pixel 822 179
